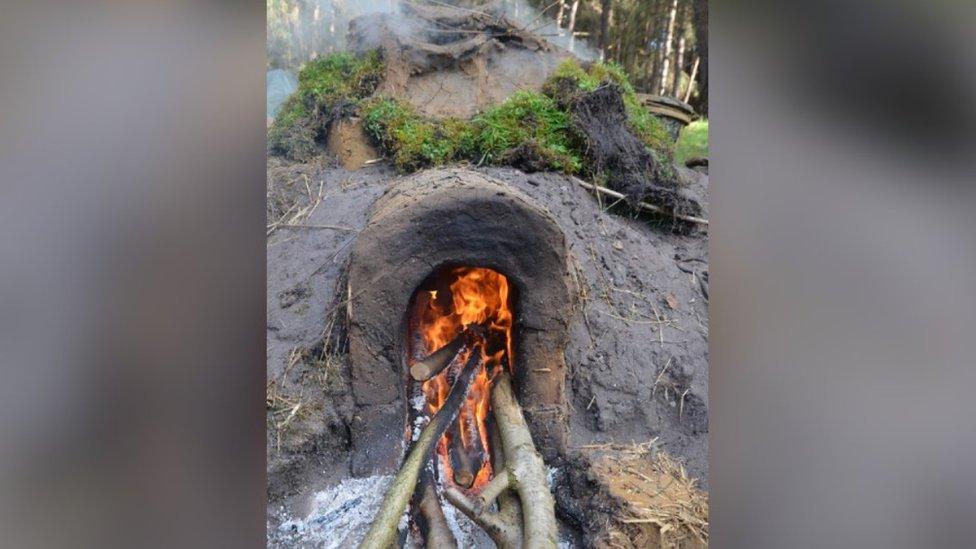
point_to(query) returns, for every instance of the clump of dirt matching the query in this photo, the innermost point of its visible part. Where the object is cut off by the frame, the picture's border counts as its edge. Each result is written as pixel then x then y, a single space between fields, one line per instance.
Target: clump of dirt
pixel 348 143
pixel 454 62
pixel 617 155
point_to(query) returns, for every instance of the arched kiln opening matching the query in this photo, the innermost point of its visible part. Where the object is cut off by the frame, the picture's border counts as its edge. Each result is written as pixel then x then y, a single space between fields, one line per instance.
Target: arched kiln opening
pixel 457 312
pixel 428 232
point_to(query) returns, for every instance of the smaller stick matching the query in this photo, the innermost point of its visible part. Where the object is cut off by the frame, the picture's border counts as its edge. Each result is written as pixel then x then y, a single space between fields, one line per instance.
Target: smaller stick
pixel 504 527
pixel 443 357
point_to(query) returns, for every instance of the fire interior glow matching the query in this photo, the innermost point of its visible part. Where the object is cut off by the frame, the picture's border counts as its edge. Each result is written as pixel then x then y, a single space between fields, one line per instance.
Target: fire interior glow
pixel 459 298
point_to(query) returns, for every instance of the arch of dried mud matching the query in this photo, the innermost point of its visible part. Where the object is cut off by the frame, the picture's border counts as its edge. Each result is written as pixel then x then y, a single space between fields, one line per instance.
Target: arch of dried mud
pixel 454 217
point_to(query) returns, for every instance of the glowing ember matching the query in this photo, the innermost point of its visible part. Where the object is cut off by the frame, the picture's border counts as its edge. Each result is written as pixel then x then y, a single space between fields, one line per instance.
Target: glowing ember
pixel 460 297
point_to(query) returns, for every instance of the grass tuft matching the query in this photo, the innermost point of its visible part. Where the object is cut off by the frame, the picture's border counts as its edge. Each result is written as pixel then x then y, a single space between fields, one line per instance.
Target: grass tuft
pixel 528 117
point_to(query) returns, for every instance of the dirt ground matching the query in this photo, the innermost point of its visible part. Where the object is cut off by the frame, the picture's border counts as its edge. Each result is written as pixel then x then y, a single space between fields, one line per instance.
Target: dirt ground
pixel 638 356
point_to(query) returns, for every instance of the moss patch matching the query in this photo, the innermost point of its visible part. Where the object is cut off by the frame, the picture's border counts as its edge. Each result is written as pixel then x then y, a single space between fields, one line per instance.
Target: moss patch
pixel 530 130
pixel 528 119
pixel 328 88
pixel 413 141
pixel 526 130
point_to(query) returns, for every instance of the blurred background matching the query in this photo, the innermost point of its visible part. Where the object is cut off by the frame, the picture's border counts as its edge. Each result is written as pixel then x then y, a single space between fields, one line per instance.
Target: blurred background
pixel 132 241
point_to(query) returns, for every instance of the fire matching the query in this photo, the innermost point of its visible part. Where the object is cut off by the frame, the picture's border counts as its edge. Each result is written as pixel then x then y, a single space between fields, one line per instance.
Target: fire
pixel 467 296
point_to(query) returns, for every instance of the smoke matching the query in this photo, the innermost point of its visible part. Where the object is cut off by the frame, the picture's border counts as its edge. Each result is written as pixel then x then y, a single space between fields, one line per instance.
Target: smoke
pixel 531 19
pixel 300 30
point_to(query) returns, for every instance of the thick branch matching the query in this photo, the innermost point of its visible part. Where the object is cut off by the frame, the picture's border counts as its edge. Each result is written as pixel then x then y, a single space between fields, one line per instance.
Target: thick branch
pixel 383 530
pixel 525 468
pixel 504 527
pixel 435 362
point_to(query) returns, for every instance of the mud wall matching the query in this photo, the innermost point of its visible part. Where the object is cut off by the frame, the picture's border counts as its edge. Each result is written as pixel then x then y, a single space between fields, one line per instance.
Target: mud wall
pixel 443 218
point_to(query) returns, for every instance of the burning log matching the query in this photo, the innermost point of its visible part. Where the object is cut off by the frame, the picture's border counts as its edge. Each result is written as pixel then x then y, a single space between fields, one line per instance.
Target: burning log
pixel 383 530
pixel 443 357
pixel 428 513
pixel 466 461
pixel 439 359
pixel 464 470
pixel 524 472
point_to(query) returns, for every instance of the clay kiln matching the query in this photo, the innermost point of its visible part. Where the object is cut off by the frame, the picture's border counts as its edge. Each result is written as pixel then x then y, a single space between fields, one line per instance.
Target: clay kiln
pixel 423 227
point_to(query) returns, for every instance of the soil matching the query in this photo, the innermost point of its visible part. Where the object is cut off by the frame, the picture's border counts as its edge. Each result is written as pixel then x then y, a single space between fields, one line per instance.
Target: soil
pixel 637 356
pixel 349 144
pixel 617 154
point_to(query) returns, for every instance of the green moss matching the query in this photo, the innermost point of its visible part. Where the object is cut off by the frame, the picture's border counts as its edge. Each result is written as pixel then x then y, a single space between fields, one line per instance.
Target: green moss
pixel 571 69
pixel 528 116
pixel 647 126
pixel 416 142
pixel 341 76
pixel 328 87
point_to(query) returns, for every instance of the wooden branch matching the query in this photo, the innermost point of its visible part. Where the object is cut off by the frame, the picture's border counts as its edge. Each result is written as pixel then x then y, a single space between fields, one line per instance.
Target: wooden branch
pixel 505 526
pixel 525 468
pixel 505 531
pixel 383 530
pixel 427 511
pixel 474 451
pixel 439 359
pixel 524 471
pixel 644 205
pixel 463 468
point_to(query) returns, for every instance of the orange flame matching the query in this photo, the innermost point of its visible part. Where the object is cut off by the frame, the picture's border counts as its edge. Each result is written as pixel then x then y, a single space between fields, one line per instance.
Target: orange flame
pixel 469 296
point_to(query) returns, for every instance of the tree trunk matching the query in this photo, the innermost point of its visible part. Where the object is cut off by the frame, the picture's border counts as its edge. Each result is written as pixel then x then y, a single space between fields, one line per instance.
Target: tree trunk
pixel 691 79
pixel 559 14
pixel 668 48
pixel 657 38
pixel 572 16
pixel 701 43
pixel 571 27
pixel 605 7
pixel 679 64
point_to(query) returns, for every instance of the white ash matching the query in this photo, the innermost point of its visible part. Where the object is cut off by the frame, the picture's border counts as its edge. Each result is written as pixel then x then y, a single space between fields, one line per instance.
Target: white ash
pixel 340 515
pixel 418 425
pixel 419 402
